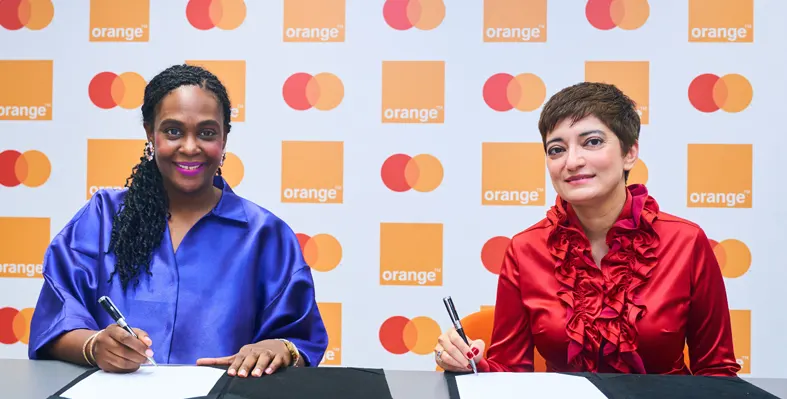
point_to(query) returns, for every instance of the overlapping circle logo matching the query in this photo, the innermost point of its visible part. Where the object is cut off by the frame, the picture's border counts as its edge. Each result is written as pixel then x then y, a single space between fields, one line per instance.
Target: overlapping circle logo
pixel 323 91
pixel 399 335
pixel 222 14
pixel 525 92
pixel 30 14
pixel 493 252
pixel 624 14
pixel 422 172
pixel 31 168
pixel 233 170
pixel 733 256
pixel 638 174
pixel 421 14
pixel 15 325
pixel 731 93
pixel 108 90
pixel 322 252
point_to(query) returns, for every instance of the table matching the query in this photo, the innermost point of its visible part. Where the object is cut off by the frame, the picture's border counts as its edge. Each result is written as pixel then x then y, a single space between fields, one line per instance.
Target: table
pixel 28 379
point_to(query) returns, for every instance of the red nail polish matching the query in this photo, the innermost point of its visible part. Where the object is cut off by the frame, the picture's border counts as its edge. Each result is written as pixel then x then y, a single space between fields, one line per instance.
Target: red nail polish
pixel 470 355
pixel 469 367
pixel 475 351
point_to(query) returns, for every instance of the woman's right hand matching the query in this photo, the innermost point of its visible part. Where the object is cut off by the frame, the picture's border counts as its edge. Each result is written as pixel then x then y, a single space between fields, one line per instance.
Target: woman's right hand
pixel 453 354
pixel 117 351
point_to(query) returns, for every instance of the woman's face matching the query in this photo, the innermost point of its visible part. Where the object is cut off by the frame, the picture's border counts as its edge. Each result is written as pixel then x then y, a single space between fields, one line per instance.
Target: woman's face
pixel 189 139
pixel 585 161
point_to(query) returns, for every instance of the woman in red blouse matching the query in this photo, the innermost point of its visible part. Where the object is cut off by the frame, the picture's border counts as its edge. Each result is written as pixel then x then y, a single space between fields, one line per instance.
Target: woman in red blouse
pixel 606 282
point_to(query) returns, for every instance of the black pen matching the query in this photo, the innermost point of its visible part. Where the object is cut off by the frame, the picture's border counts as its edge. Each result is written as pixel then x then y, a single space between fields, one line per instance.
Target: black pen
pixel 113 311
pixel 449 306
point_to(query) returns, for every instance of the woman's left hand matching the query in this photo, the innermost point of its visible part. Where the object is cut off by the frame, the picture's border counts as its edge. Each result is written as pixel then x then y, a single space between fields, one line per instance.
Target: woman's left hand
pixel 253 359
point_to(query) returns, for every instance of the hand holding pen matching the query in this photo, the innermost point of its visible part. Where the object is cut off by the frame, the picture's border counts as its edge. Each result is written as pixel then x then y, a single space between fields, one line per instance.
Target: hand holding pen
pixel 120 348
pixel 454 351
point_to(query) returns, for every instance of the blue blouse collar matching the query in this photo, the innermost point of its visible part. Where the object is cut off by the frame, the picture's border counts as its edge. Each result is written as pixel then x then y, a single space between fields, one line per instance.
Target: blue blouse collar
pixel 230 205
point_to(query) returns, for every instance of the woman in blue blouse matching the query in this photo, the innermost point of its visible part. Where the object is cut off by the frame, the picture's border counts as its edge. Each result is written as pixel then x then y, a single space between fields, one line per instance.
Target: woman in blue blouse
pixel 208 277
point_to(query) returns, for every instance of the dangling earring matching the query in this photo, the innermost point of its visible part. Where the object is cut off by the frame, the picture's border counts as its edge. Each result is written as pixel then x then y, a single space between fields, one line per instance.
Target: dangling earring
pixel 149 151
pixel 223 157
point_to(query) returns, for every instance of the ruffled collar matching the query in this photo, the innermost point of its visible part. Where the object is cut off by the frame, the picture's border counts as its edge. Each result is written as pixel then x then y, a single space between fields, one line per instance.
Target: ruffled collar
pixel 602 303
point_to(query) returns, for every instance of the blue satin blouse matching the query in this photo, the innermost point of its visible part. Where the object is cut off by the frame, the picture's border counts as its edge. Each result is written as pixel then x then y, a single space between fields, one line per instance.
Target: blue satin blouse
pixel 238 277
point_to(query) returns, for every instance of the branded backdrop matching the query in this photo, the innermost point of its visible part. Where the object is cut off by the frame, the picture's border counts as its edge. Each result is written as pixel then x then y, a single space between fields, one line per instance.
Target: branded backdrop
pixel 399 139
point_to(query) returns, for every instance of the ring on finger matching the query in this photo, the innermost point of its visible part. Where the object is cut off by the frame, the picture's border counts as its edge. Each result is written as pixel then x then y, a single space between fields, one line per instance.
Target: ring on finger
pixel 439 355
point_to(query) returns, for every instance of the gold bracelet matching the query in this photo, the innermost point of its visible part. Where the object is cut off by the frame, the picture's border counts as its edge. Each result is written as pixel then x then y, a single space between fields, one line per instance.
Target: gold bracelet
pixel 84 352
pixel 295 355
pixel 89 345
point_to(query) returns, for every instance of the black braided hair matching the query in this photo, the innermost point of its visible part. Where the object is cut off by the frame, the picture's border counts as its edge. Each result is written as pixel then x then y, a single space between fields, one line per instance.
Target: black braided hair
pixel 139 225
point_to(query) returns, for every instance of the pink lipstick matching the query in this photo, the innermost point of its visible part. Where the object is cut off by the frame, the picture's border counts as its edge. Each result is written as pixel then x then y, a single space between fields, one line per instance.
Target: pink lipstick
pixel 189 168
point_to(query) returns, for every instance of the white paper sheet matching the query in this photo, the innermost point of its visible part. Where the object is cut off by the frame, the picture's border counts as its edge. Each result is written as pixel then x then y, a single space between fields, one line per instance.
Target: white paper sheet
pixel 525 385
pixel 147 382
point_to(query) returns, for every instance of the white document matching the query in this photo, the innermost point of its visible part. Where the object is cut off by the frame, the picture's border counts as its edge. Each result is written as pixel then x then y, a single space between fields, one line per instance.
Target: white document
pixel 525 385
pixel 176 382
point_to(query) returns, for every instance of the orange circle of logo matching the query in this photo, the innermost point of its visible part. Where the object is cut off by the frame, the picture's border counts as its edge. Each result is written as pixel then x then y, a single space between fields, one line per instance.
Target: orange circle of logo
pixel 108 90
pixel 638 174
pixel 321 252
pixel 15 325
pixel 398 335
pixel 493 252
pixel 323 91
pixel 422 173
pixel 731 93
pixel 31 14
pixel 232 170
pixel 624 14
pixel 222 14
pixel 525 92
pixel 31 168
pixel 421 14
pixel 733 256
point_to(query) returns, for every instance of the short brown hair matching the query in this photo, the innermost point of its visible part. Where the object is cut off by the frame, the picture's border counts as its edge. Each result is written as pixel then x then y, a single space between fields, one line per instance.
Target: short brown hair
pixel 604 101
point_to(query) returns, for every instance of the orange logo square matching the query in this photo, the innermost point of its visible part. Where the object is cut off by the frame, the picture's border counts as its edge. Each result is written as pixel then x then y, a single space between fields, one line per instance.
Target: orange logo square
pixel 513 174
pixel 233 75
pixel 26 93
pixel 119 21
pixel 110 162
pixel 312 172
pixel 413 92
pixel 719 176
pixel 721 21
pixel 320 21
pixel 411 254
pixel 332 318
pixel 515 21
pixel 741 338
pixel 631 77
pixel 23 243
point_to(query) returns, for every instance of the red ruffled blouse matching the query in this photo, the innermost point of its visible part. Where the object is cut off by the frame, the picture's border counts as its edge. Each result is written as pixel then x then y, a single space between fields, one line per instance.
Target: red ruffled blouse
pixel 658 289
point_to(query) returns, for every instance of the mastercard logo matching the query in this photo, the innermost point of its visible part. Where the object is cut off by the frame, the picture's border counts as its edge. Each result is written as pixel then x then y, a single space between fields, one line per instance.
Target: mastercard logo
pixel 321 252
pixel 108 90
pixel 400 335
pixel 15 325
pixel 525 92
pixel 422 173
pixel 421 14
pixel 624 14
pixel 323 91
pixel 30 14
pixel 731 93
pixel 222 14
pixel 733 256
pixel 493 252
pixel 31 168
